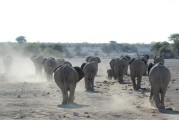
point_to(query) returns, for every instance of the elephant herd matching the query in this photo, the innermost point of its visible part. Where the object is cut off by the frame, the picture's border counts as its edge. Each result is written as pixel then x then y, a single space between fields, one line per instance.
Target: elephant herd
pixel 159 75
pixel 66 75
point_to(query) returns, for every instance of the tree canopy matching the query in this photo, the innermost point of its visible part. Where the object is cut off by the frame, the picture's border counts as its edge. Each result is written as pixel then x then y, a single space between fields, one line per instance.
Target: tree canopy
pixel 21 39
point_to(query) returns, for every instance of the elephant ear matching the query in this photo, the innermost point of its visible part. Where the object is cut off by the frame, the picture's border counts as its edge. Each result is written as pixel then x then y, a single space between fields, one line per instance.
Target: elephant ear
pixel 83 64
pixel 131 60
pixel 149 67
pixel 80 72
pixel 44 60
pixel 99 60
pixel 87 59
pixel 147 56
pixel 144 61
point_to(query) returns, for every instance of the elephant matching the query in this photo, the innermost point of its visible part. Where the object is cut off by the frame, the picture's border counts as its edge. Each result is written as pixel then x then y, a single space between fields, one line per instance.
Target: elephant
pixel 119 69
pixel 145 58
pixel 90 70
pixel 158 59
pixel 59 61
pixel 49 66
pixel 7 62
pixel 66 78
pixel 38 60
pixel 126 58
pixel 159 77
pixel 112 64
pixel 62 62
pixel 137 69
pixel 93 58
pixel 110 73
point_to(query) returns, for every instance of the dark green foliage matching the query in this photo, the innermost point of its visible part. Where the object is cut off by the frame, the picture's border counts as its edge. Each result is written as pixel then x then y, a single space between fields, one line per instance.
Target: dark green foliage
pixel 106 49
pixel 31 48
pixel 21 39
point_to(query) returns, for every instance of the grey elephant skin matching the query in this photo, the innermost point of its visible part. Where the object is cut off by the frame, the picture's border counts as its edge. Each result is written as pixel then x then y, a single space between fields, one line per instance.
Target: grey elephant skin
pixel 137 69
pixel 38 60
pixel 126 58
pixel 49 66
pixel 93 58
pixel 158 59
pixel 119 69
pixel 66 77
pixel 90 70
pixel 159 78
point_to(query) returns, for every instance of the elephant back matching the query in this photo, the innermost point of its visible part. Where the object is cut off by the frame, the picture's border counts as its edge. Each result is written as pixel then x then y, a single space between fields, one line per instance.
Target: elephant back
pixel 66 74
pixel 50 64
pixel 97 59
pixel 90 68
pixel 159 72
pixel 137 65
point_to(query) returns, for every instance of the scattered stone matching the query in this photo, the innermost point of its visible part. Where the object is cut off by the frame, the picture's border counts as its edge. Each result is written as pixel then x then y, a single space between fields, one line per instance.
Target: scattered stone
pixel 76 114
pixel 85 112
pixel 88 116
pixel 177 89
pixel 19 96
pixel 138 106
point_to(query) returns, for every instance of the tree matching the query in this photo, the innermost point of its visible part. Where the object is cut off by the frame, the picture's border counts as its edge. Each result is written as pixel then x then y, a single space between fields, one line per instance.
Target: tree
pixel 21 39
pixel 175 39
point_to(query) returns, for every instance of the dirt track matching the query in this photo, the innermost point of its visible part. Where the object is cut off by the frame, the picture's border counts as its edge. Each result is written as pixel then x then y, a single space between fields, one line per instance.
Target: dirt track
pixel 25 96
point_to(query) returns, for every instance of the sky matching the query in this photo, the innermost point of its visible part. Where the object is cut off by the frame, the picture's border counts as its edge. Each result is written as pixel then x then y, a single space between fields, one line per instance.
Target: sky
pixel 92 21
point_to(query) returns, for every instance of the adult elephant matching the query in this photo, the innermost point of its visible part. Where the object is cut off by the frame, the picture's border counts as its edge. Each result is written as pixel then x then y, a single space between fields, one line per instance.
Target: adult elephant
pixel 93 58
pixel 137 69
pixel 38 60
pixel 112 64
pixel 158 59
pixel 49 67
pixel 59 61
pixel 119 69
pixel 126 58
pixel 7 62
pixel 90 70
pixel 145 58
pixel 159 77
pixel 66 78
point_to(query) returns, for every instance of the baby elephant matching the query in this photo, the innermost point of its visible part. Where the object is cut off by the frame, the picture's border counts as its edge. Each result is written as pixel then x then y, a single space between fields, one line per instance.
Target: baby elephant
pixel 159 77
pixel 66 77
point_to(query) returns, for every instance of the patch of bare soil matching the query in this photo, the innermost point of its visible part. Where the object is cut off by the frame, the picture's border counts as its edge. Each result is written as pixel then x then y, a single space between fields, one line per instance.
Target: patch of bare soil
pixel 33 98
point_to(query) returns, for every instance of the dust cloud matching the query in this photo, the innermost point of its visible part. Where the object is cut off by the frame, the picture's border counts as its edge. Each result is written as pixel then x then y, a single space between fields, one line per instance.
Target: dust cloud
pixel 21 70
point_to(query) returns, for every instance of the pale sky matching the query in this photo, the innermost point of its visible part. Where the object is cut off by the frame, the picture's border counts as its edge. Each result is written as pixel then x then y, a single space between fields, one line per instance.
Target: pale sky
pixel 93 21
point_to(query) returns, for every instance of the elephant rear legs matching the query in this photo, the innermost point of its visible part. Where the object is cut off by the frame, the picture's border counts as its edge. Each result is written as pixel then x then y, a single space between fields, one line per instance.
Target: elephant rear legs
pixel 89 84
pixel 136 86
pixel 69 98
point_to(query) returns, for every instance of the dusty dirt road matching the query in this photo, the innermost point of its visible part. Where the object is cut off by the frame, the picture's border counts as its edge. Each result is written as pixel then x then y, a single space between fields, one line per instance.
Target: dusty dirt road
pixel 28 97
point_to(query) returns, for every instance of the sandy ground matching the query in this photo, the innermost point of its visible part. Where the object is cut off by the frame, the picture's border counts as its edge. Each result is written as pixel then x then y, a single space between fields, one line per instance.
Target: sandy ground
pixel 28 97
